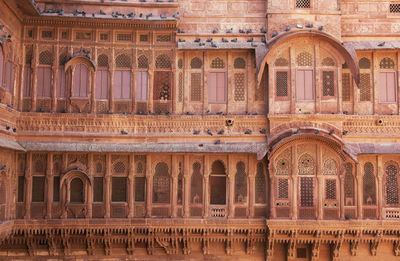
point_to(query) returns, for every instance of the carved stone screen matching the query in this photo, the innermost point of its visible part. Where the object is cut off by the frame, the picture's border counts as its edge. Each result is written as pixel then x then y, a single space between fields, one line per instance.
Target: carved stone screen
pixel 56 188
pixel 349 186
pixel 260 184
pixel 162 85
pixel 98 189
pixel 161 184
pixel 118 189
pixel 77 191
pixel 328 83
pixel 306 192
pixel 196 185
pixel 38 189
pixel 218 184
pixel 369 189
pixel 330 189
pixel 392 186
pixel 140 185
pixel 240 183
pixel 282 84
pixel 283 188
pixel 346 86
pixel 21 188
pixel 365 87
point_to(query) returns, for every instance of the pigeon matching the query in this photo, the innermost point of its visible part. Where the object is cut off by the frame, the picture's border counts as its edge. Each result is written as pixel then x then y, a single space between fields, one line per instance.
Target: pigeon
pixel 263 131
pixel 93 15
pixel 296 131
pixel 299 26
pixel 254 45
pixel 176 15
pixel 209 40
pixel 331 132
pixel 3 168
pixel 131 15
pixel 263 40
pixel 249 31
pixel 234 40
pixel 208 111
pixel 215 31
pixel 197 40
pixel 250 40
pixel 309 25
pixel 224 40
pixel 221 132
pixel 262 30
pixel 246 112
pixel 274 34
pixel 124 132
pixel 196 132
pixel 287 28
pixel 167 113
pixel 180 31
pixel 381 44
pixel 241 31
pixel 209 132
pixel 141 15
pixel 201 44
pixel 181 40
pixel 254 113
pixel 214 45
pixel 219 113
pixel 345 132
pixel 162 16
pixel 248 132
pixel 8 127
pixel 10 105
pixel 14 129
pixel 217 142
pixel 229 31
pixel 345 112
pixel 321 28
pixel 316 132
pixel 61 12
pixel 149 15
pixel 102 12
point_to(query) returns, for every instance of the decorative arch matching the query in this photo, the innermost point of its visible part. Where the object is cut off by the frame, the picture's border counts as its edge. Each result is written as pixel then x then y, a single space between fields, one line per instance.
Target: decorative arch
pixel 348 52
pixel 78 59
pixel 391 184
pixel 161 184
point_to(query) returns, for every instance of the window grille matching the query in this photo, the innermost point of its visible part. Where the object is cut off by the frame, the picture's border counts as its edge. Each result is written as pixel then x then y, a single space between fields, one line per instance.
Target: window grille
pixel 239 63
pixel 260 185
pixel 349 186
pixel 346 87
pixel 196 190
pixel 239 94
pixel 98 189
pixel 38 189
pixel 394 8
pixel 369 190
pixel 77 191
pixel 124 37
pixel 56 188
pixel 162 83
pixel 140 188
pixel 304 59
pixel 217 63
pixel 281 62
pixel 163 38
pixel 180 85
pixel 161 184
pixel 218 184
pixel 328 61
pixel 47 34
pixel 365 87
pixel 196 63
pixel 195 87
pixel 143 62
pixel 21 188
pixel 123 61
pixel 179 200
pixel 306 192
pixel 217 167
pixel 119 167
pixel 118 189
pixel 102 60
pixel 103 37
pixel 144 37
pixel 386 63
pixel 83 35
pixel 180 63
pixel 40 162
pixel 163 62
pixel 282 167
pixel 306 165
pixel 45 58
pixel 303 3
pixel 330 189
pixel 283 189
pixel 281 84
pixel 240 183
pixel 392 186
pixel 364 63
pixel 64 35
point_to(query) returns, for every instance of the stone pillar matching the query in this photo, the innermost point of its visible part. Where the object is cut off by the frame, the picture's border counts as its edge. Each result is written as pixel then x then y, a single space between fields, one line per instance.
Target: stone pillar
pixel 231 187
pixel 252 170
pixel 34 76
pixel 379 195
pixel 341 189
pixel 174 175
pixel 319 185
pixel 21 80
pixel 111 90
pixel 107 194
pixel 89 212
pixel 359 190
pixel 294 179
pixel 151 86
pixel 186 186
pixel 206 186
pixel 54 69
pixel 131 189
pixel 28 186
pixel 149 181
pixel 92 86
pixel 49 182
pixel 273 180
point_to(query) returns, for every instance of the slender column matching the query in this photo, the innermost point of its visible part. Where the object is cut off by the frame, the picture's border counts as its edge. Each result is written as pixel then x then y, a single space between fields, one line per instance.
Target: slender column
pixel 54 69
pixel 294 183
pixel 28 186
pixel 379 175
pixel 149 181
pixel 49 182
pixel 341 195
pixel 89 190
pixel 273 180
pixel 21 79
pixel 359 190
pixel 186 188
pixel 92 81
pixel 107 194
pixel 174 174
pixel 111 90
pixel 317 80
pixel 206 186
pixel 151 86
pixel 320 180
pixel 131 190
pixel 251 186
pixel 231 186
pixel 34 76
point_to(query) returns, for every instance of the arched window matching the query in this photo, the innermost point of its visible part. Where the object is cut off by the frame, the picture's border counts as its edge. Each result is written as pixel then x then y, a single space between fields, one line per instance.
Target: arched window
pixel 392 185
pixel 306 165
pixel 387 81
pixel 122 78
pixel 304 77
pixel 239 63
pixel 161 184
pixel 349 186
pixel 143 62
pixel 196 185
pixel 102 78
pixel 240 183
pixel 369 189
pixel 364 63
pixel 1 65
pixel 77 191
pixel 163 62
pixel 218 183
pixel 260 185
pixel 196 63
pixel 81 81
